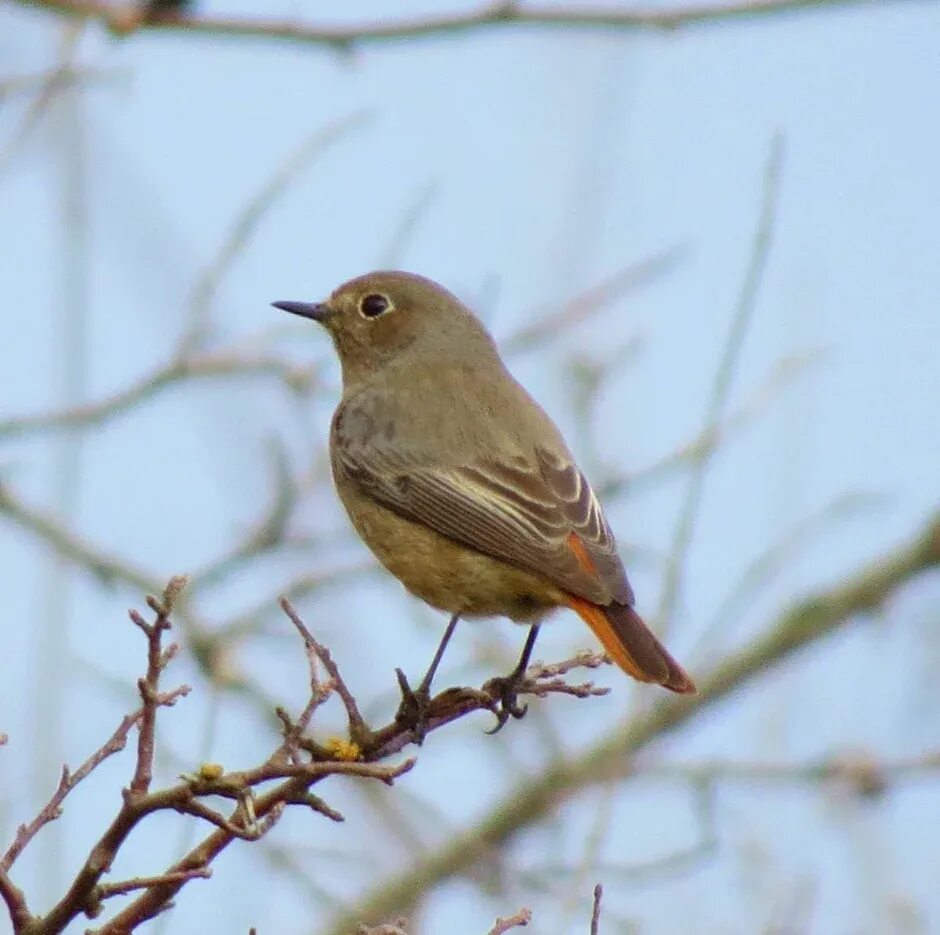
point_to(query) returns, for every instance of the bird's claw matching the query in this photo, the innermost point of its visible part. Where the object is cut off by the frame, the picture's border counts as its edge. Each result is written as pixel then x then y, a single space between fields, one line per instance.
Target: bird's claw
pixel 413 711
pixel 504 690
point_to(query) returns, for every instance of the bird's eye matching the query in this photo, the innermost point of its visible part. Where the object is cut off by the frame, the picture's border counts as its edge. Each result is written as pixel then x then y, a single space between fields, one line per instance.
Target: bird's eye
pixel 373 305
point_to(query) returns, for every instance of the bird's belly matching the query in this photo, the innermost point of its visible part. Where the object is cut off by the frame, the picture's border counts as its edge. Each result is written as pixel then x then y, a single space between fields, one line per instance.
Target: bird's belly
pixel 446 574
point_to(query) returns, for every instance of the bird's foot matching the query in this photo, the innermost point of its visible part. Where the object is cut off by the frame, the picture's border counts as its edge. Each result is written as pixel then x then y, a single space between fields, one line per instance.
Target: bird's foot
pixel 504 690
pixel 413 711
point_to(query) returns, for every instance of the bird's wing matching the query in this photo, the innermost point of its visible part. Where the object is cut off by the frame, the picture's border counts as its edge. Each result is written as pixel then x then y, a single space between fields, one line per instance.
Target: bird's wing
pixel 536 513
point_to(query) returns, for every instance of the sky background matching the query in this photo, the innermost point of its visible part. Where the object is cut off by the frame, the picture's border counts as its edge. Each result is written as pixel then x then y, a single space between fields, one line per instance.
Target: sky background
pixel 534 166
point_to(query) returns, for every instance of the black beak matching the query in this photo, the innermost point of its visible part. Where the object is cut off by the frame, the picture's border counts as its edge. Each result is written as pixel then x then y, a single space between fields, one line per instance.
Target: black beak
pixel 318 311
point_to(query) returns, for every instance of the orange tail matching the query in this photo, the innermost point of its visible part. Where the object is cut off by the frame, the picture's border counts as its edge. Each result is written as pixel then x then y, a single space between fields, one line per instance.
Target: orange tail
pixel 632 645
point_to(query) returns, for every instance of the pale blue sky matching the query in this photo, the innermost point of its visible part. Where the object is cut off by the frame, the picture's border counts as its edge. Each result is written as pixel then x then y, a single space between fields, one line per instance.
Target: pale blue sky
pixel 555 159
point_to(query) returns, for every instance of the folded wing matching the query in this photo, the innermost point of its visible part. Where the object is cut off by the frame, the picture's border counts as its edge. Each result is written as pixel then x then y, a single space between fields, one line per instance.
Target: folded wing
pixel 521 510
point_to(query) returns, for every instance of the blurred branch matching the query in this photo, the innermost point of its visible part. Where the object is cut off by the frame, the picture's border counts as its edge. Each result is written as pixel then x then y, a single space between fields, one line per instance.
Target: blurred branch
pixel 721 388
pixel 862 772
pixel 804 624
pixel 123 18
pixel 248 220
pixel 208 647
pixel 267 533
pixel 107 568
pixel 761 570
pixel 205 366
pixel 590 301
pixel 62 78
pixel 658 868
pixel 711 436
pixel 53 83
pixel 408 224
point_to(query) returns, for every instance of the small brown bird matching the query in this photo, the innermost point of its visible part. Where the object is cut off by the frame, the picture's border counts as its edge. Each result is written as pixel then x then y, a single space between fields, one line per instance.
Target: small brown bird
pixel 462 486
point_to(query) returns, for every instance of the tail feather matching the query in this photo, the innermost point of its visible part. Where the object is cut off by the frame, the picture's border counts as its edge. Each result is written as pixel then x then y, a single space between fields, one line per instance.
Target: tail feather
pixel 632 645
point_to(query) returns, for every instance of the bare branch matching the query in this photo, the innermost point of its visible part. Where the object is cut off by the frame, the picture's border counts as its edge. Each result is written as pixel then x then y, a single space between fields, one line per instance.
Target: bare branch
pixel 762 569
pixel 520 920
pixel 358 729
pixel 55 81
pixel 123 18
pixel 860 771
pixel 205 366
pixel 588 303
pixel 254 812
pixel 721 386
pixel 266 534
pixel 15 900
pixel 706 441
pixel 122 888
pixel 395 928
pixel 108 568
pixel 69 780
pixel 596 909
pixel 64 77
pixel 148 686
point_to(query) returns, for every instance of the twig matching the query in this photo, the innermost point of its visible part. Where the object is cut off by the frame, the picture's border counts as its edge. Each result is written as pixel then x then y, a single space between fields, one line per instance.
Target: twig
pixel 586 659
pixel 69 780
pixel 266 534
pixel 501 14
pixel 721 386
pixel 596 909
pixel 205 366
pixel 54 82
pixel 592 300
pixel 299 588
pixel 148 686
pixel 762 569
pixel 122 888
pixel 266 808
pixel 105 567
pixel 394 928
pixel 358 729
pixel 63 77
pixel 864 773
pixel 708 439
pixel 407 224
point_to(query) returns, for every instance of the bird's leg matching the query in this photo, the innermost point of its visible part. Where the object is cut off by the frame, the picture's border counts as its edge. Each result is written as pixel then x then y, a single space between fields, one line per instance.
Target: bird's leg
pixel 505 688
pixel 413 711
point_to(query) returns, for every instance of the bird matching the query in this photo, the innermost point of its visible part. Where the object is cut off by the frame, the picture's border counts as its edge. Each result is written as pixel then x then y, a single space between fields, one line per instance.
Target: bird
pixel 463 487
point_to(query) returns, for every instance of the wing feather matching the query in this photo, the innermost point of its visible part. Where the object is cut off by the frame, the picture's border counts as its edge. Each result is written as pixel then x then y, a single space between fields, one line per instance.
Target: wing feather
pixel 521 510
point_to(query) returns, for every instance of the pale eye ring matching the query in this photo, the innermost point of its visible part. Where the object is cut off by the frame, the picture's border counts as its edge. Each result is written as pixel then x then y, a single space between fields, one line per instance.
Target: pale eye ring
pixel 374 304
